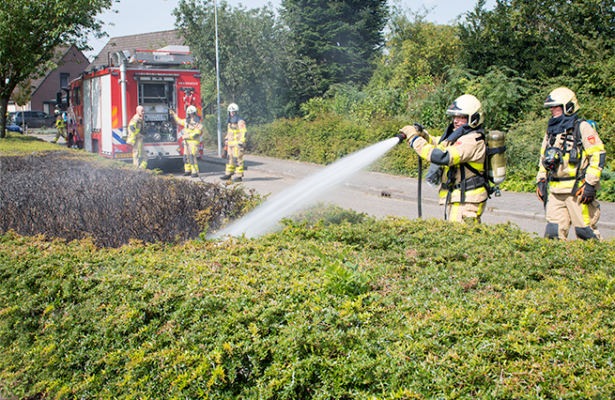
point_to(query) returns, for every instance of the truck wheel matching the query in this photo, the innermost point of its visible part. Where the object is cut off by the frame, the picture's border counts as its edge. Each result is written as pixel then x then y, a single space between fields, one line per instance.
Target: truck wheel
pixel 70 140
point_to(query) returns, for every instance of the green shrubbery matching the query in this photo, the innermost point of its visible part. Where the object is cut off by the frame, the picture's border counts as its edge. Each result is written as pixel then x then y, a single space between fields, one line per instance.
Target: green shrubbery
pixel 327 138
pixel 378 309
pixel 349 119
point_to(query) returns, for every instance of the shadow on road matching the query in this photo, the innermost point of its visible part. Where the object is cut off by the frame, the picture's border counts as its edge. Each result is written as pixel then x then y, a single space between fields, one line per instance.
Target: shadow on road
pixel 261 179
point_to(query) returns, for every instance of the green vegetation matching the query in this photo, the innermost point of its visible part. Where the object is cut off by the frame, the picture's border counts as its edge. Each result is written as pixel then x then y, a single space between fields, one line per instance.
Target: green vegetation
pixel 16 144
pixel 427 66
pixel 378 309
pixel 32 32
pixel 342 37
pixel 259 68
pixel 337 305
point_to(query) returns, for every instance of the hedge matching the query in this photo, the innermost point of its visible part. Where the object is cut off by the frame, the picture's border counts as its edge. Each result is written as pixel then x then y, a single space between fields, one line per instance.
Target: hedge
pixel 366 309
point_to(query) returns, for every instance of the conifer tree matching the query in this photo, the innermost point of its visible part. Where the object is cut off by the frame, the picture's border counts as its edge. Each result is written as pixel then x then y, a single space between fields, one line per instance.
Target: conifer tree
pixel 342 36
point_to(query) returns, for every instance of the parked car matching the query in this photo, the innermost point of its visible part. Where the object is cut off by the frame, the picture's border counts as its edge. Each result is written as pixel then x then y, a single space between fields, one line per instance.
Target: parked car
pixel 13 128
pixel 34 119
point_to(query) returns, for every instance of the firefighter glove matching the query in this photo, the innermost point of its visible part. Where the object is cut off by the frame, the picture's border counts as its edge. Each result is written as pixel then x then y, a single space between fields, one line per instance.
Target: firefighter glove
pixel 541 190
pixel 587 193
pixel 409 131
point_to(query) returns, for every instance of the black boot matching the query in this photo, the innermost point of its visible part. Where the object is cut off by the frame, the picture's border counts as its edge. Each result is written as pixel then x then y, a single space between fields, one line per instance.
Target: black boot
pixel 225 177
pixel 187 173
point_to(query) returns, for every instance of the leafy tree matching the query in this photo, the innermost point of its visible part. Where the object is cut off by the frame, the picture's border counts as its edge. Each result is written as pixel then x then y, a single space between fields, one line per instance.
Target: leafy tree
pixel 542 38
pixel 32 30
pixel 341 36
pixel 23 93
pixel 258 68
pixel 417 50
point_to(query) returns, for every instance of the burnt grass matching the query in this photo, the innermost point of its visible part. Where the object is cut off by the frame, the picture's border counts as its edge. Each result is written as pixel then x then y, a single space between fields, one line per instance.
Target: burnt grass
pixel 61 195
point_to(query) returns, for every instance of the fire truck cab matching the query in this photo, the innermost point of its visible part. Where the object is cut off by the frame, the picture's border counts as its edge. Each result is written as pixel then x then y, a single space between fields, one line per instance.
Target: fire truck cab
pixel 103 101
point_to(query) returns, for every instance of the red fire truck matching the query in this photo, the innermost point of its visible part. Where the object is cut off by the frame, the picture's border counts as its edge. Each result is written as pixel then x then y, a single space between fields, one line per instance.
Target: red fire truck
pixel 103 101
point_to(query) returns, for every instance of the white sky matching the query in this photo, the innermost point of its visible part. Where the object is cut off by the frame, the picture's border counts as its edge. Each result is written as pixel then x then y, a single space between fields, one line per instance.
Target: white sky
pixel 139 16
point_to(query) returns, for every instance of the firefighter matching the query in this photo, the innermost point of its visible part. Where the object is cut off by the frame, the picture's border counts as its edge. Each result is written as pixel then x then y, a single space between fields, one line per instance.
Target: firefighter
pixel 191 139
pixel 460 154
pixel 571 161
pixel 136 127
pixel 235 140
pixel 60 126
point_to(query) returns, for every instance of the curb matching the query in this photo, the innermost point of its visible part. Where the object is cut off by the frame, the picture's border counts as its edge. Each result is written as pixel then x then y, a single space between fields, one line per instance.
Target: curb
pixel 540 217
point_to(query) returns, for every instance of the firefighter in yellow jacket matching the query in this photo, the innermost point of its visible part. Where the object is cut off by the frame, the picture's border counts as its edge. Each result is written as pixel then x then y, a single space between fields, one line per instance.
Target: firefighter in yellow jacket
pixel 235 140
pixel 60 126
pixel 191 139
pixel 459 159
pixel 136 127
pixel 571 161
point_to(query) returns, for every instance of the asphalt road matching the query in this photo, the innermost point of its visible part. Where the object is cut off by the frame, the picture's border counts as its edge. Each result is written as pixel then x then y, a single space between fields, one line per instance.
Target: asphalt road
pixel 382 195
pixel 378 194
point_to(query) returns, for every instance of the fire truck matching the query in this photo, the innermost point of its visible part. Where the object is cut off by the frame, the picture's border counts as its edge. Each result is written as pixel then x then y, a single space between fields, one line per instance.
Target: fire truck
pixel 102 102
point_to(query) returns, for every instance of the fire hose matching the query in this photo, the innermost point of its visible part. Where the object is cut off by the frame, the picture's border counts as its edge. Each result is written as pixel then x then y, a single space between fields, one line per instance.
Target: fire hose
pixel 401 138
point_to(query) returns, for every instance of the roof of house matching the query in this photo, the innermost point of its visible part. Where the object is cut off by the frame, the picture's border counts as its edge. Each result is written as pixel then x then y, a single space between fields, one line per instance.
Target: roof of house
pixel 59 55
pixel 144 41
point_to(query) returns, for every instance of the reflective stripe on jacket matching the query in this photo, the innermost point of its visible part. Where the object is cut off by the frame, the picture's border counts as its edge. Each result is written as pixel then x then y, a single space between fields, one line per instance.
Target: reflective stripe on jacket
pixel 136 125
pixel 192 129
pixel 236 133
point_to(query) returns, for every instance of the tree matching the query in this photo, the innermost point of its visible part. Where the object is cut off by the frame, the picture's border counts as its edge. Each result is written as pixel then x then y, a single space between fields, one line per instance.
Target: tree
pixel 258 68
pixel 23 92
pixel 417 50
pixel 341 36
pixel 31 31
pixel 541 38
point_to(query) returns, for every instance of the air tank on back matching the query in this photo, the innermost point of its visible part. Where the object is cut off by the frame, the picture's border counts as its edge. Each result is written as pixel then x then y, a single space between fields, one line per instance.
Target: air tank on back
pixel 496 141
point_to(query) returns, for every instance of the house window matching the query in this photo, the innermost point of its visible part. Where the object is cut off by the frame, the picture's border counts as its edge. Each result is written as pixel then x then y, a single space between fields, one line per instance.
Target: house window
pixel 64 79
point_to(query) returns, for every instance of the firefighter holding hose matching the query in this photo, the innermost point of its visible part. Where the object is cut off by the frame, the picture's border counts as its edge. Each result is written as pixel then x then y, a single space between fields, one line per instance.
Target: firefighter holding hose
pixel 235 140
pixel 136 127
pixel 458 160
pixel 191 139
pixel 571 161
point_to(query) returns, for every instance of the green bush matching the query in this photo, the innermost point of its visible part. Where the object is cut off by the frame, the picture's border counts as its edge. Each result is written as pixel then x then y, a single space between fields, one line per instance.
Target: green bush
pixel 328 214
pixel 329 137
pixel 210 130
pixel 523 143
pixel 355 104
pixel 381 309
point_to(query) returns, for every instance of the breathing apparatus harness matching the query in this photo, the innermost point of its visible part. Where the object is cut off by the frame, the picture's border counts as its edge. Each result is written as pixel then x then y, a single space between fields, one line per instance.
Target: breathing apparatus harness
pixel 555 155
pixel 480 179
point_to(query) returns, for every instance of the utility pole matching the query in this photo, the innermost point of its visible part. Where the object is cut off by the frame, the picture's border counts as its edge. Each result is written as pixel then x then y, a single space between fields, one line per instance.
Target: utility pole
pixel 218 80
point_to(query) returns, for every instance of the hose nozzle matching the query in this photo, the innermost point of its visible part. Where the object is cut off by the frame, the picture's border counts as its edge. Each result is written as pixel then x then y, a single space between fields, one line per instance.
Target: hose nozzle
pixel 401 137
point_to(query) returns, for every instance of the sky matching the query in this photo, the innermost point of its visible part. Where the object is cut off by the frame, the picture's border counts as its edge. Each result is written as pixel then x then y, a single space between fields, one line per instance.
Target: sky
pixel 139 16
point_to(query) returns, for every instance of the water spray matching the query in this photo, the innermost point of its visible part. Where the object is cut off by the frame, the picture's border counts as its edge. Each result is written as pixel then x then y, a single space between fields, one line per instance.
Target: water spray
pixel 264 218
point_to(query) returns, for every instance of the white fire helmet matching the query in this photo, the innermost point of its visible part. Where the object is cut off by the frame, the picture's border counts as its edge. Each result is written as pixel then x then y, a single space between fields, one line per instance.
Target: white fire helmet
pixel 233 107
pixel 469 106
pixel 564 97
pixel 191 110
